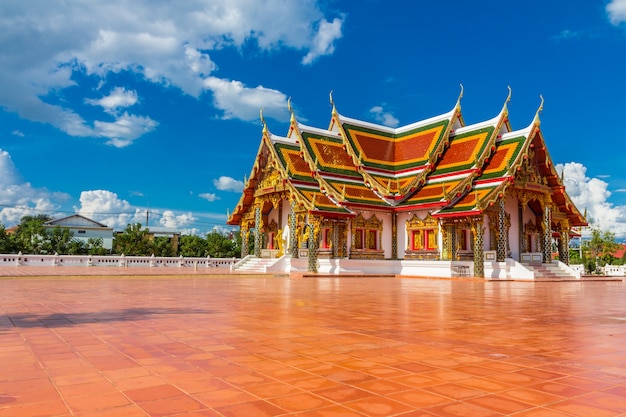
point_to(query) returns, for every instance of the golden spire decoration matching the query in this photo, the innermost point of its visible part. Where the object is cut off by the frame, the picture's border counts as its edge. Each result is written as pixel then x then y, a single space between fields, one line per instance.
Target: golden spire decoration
pixel 477 201
pixel 289 105
pixel 332 103
pixel 505 110
pixel 263 120
pixel 458 100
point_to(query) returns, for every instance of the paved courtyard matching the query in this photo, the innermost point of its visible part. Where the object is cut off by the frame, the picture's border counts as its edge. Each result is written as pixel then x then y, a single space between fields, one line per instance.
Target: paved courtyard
pixel 273 346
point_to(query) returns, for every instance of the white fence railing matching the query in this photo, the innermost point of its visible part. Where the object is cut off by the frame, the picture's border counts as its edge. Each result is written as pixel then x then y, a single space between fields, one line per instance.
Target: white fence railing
pixel 113 260
pixel 614 270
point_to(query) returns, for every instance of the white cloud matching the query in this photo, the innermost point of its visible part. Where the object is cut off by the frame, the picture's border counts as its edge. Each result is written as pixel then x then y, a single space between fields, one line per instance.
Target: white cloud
pixel 592 194
pixel 17 133
pixel 240 102
pixel 165 42
pixel 323 42
pixel 209 196
pixel 118 98
pixel 170 220
pixel 107 208
pixel 566 34
pixel 616 9
pixel 19 198
pixel 384 117
pixel 228 184
pixel 125 129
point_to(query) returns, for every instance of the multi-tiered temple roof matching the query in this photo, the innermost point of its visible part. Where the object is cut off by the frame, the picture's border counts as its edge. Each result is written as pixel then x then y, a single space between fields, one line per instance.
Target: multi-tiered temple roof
pixel 438 164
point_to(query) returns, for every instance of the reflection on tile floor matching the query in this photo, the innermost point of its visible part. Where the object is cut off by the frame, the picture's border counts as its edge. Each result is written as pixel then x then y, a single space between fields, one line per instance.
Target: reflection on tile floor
pixel 273 346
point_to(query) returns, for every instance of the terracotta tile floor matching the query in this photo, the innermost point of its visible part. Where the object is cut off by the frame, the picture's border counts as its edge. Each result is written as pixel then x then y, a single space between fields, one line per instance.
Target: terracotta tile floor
pixel 270 346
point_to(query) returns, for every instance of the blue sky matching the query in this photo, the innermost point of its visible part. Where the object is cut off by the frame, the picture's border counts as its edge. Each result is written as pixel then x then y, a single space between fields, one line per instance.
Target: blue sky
pixel 114 109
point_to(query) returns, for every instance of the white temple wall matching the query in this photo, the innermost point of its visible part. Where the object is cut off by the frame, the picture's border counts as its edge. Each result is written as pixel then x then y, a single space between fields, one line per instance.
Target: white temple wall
pixel 511 205
pixel 401 220
pixel 286 205
pixel 387 235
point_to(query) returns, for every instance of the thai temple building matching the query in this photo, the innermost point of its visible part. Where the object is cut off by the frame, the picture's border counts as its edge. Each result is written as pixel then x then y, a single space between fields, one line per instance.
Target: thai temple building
pixel 433 198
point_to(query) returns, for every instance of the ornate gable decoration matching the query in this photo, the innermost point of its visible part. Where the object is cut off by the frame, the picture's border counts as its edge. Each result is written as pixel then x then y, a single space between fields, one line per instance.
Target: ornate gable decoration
pixel 417 223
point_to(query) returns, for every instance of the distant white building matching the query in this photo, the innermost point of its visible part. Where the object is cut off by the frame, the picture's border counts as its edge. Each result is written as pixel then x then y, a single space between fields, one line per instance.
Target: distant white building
pixel 84 229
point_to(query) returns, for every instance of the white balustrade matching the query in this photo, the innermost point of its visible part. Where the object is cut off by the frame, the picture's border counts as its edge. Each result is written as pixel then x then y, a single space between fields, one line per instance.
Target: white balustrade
pixel 114 260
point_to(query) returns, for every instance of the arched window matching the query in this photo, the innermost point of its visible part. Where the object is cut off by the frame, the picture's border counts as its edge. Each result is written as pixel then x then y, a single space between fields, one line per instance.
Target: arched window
pixel 422 238
pixel 366 238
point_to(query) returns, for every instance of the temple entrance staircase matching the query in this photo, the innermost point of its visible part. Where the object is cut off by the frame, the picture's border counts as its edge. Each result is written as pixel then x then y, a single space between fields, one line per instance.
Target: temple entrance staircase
pixel 254 265
pixel 551 272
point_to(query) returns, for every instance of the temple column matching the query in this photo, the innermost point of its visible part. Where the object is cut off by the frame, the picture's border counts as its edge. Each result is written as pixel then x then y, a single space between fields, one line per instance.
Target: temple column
pixel 312 265
pixel 547 234
pixel 502 233
pixel 520 228
pixel 450 244
pixel 394 235
pixel 245 249
pixel 293 233
pixel 335 240
pixel 564 247
pixel 258 225
pixel 446 246
pixel 478 234
pixel 454 243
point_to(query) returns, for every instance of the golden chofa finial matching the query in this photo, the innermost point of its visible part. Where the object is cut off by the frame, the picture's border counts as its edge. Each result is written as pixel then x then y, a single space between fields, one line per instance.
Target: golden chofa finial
pixel 262 119
pixel 458 100
pixel 289 105
pixel 332 102
pixel 504 110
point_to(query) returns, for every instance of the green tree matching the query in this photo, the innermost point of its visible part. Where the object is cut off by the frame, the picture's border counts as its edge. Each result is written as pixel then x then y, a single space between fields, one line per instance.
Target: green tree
pixel 599 248
pixel 7 241
pixel 574 257
pixel 161 246
pixel 220 245
pixel 133 241
pixel 95 246
pixel 193 246
pixel 56 240
pixel 30 234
